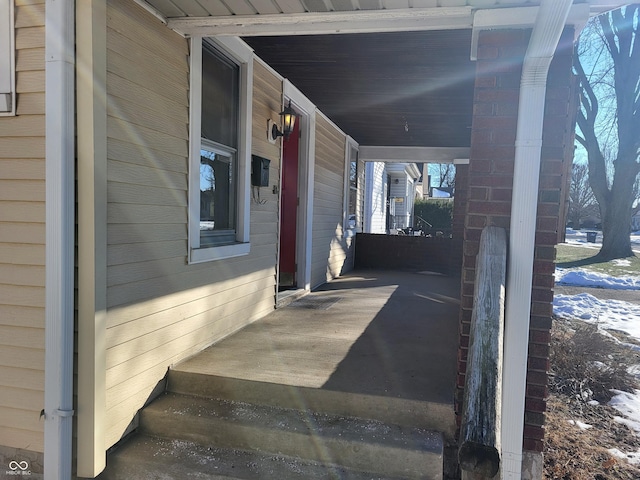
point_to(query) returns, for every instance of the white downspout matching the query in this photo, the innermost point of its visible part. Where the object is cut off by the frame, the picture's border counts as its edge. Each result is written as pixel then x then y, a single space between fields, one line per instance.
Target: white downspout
pixel 546 33
pixel 59 159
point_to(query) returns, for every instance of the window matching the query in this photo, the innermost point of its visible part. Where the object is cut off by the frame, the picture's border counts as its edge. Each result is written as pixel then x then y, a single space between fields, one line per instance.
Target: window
pixel 7 59
pixel 217 196
pixel 353 188
pixel 351 194
pixel 220 142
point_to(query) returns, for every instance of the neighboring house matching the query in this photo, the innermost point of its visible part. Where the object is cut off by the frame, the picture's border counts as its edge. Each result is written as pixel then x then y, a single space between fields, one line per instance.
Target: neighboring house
pixel 635 222
pixel 375 203
pixel 402 193
pixel 390 193
pixel 131 236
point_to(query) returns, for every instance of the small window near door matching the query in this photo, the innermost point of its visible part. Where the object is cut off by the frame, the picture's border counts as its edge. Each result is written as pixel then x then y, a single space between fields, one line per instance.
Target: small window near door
pixel 353 203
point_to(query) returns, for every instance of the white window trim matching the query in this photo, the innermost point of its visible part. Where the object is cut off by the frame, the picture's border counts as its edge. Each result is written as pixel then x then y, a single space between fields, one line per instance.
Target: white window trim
pixel 7 59
pixel 243 55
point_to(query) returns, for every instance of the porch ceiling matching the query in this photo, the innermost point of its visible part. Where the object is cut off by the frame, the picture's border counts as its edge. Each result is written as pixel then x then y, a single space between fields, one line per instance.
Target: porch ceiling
pixel 405 78
pixel 398 88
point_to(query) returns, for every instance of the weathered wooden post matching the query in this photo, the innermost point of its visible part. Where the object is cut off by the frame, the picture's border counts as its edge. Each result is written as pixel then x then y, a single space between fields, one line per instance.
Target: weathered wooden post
pixel 479 453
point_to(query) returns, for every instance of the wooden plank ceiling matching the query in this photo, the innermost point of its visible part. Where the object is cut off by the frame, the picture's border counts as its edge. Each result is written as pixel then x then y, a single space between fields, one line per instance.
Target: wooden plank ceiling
pixel 202 8
pixel 397 89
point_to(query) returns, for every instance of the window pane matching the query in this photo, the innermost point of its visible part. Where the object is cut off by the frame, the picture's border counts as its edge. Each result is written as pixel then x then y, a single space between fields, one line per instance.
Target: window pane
pixel 217 198
pixel 219 138
pixel 353 187
pixel 220 98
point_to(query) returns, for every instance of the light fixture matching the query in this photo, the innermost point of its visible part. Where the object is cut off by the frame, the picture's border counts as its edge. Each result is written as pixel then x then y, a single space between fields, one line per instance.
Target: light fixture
pixel 288 123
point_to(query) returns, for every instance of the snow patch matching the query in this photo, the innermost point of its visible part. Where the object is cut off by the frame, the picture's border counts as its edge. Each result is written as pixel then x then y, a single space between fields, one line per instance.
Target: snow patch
pixel 580 425
pixel 607 314
pixel 627 404
pixel 631 457
pixel 581 277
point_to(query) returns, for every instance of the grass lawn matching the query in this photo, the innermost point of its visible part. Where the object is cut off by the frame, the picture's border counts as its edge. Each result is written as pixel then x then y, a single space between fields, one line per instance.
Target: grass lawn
pixel 572 256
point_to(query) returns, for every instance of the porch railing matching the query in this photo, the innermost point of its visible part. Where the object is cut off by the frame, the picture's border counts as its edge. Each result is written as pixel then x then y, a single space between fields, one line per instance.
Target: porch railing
pixel 479 452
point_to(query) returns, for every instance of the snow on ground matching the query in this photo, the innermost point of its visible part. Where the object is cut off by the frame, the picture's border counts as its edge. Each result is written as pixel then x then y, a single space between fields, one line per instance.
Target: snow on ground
pixel 608 315
pixel 583 277
pixel 629 405
pixel 631 457
pixel 580 425
pixel 579 237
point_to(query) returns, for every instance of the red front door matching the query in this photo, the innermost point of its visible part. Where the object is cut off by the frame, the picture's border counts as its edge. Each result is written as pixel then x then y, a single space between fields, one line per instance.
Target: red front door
pixel 289 209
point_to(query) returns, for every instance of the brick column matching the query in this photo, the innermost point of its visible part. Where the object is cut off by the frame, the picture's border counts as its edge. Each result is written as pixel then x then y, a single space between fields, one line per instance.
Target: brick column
pixel 495 110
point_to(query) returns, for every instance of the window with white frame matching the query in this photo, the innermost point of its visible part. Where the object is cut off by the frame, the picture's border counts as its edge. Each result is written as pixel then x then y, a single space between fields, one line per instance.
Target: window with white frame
pixel 220 141
pixel 7 59
pixel 353 217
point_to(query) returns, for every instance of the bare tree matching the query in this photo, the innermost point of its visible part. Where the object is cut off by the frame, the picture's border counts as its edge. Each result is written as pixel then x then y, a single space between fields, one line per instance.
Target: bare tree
pixel 446 175
pixel 607 64
pixel 582 201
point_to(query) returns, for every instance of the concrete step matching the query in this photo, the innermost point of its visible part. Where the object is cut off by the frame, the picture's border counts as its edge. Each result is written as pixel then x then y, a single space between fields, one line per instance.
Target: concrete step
pixel 153 458
pixel 384 450
pixel 439 417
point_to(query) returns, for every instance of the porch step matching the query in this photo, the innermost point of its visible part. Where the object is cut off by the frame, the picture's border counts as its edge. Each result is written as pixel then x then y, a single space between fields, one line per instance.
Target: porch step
pixel 439 417
pixel 215 427
pixel 153 458
pixel 385 450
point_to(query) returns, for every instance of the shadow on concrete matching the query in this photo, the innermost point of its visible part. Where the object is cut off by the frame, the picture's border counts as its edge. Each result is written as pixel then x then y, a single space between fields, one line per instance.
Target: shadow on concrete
pixel 409 348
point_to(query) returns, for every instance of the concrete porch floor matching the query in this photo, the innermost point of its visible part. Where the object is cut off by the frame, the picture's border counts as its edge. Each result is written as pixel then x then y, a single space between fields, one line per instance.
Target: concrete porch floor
pixel 381 333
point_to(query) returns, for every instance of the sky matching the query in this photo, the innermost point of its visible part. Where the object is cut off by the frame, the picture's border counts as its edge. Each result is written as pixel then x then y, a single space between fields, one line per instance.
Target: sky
pixel 608 315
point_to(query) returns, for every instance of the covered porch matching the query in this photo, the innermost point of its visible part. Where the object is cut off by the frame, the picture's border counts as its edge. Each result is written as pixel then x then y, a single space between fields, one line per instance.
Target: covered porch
pixel 372 346
pixel 371 332
pixel 386 347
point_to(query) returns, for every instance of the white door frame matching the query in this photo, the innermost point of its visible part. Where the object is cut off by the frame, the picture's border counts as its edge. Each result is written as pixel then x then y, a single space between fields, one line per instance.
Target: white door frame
pixel 306 167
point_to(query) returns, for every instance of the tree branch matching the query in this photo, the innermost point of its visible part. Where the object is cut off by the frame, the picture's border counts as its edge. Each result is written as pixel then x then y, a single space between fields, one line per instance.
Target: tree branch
pixel 590 101
pixel 609 36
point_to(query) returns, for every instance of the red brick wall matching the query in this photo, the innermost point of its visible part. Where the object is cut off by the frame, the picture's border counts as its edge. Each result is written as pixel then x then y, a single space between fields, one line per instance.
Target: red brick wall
pixel 495 110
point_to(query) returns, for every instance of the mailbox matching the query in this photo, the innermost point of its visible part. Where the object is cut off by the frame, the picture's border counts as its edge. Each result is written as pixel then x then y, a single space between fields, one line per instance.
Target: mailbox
pixel 259 171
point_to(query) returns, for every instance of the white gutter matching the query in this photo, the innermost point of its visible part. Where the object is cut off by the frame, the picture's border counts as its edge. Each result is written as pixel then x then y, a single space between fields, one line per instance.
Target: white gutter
pixel 59 159
pixel 546 33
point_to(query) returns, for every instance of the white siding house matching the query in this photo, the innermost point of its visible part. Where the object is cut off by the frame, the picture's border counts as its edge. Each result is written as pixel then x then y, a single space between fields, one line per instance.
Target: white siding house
pixel 375 205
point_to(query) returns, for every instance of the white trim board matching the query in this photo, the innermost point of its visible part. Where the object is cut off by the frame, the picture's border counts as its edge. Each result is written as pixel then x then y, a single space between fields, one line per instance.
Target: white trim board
pixel 413 154
pixel 306 165
pixel 361 21
pixel 7 59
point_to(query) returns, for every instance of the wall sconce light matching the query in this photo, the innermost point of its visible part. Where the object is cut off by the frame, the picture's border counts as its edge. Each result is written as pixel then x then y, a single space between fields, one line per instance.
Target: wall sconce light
pixel 288 116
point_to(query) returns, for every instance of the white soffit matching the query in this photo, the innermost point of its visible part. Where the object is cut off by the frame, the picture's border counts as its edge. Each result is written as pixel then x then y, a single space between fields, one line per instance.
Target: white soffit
pixel 300 17
pixel 313 23
pixel 414 154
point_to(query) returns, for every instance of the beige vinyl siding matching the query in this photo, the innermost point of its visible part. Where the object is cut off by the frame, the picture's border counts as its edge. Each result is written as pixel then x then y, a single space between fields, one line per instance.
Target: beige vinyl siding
pixel 160 309
pixel 329 247
pixel 22 241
